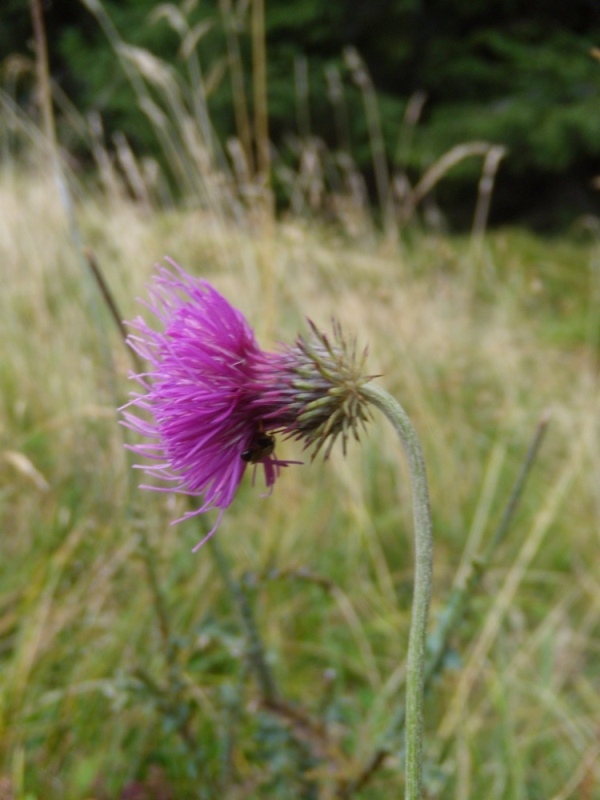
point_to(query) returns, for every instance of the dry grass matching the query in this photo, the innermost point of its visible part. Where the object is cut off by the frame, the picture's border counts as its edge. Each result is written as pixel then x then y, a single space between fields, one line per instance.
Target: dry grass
pixel 121 653
pixel 328 555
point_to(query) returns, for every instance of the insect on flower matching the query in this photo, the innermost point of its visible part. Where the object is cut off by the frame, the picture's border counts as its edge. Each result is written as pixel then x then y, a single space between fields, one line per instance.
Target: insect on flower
pixel 261 446
pixel 208 391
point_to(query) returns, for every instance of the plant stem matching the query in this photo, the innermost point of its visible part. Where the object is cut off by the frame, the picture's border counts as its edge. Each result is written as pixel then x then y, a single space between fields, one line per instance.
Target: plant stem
pixel 255 649
pixel 415 662
pixel 452 615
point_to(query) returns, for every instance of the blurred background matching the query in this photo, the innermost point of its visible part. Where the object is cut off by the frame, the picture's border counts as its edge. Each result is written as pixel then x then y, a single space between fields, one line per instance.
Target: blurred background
pixel 426 173
pixel 445 72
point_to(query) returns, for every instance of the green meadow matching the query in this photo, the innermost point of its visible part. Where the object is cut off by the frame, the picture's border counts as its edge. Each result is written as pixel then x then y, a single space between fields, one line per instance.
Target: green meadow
pixel 122 651
pixel 271 663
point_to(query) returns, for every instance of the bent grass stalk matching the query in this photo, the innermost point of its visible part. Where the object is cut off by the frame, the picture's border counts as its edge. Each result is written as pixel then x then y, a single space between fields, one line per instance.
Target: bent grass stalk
pixel 415 664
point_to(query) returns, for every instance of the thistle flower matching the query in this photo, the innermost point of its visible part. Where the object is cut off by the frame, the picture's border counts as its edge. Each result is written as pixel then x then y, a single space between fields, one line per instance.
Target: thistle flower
pixel 212 400
pixel 215 401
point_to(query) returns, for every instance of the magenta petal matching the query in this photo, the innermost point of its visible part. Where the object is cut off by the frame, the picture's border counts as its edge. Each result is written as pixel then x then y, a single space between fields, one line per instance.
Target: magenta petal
pixel 204 397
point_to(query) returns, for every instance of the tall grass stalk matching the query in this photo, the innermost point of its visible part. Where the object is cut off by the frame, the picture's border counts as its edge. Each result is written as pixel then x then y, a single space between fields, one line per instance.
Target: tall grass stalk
pixel 542 522
pixel 261 114
pixel 363 80
pixel 240 102
pixel 43 81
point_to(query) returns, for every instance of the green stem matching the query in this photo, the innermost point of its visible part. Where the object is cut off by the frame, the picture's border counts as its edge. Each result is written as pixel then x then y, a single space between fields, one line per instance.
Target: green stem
pixel 415 662
pixel 255 649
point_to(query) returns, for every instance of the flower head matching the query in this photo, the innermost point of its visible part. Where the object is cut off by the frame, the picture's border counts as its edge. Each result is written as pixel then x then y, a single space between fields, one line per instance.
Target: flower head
pixel 212 400
pixel 204 426
pixel 323 378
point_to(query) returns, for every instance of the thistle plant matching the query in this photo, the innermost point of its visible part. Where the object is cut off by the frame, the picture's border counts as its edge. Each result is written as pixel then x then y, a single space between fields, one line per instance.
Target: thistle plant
pixel 213 402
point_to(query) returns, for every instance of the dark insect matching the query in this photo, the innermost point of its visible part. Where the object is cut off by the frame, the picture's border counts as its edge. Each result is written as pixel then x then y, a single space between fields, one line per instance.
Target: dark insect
pixel 261 447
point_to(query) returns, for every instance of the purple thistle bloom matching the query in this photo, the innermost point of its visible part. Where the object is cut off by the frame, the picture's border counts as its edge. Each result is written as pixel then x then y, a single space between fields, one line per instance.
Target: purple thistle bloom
pixel 202 392
pixel 211 399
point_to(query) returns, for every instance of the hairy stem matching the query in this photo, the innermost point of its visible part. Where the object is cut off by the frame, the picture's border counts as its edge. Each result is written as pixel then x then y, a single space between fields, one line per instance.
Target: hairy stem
pixel 415 663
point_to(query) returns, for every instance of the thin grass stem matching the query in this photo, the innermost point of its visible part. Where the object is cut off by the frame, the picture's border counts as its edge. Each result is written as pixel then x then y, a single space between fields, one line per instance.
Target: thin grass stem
pixel 261 114
pixel 43 79
pixel 256 652
pixel 364 82
pixel 236 67
pixel 519 486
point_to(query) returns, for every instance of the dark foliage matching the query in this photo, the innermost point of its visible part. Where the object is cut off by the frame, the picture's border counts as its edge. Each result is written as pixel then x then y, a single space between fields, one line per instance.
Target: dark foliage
pixel 498 70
